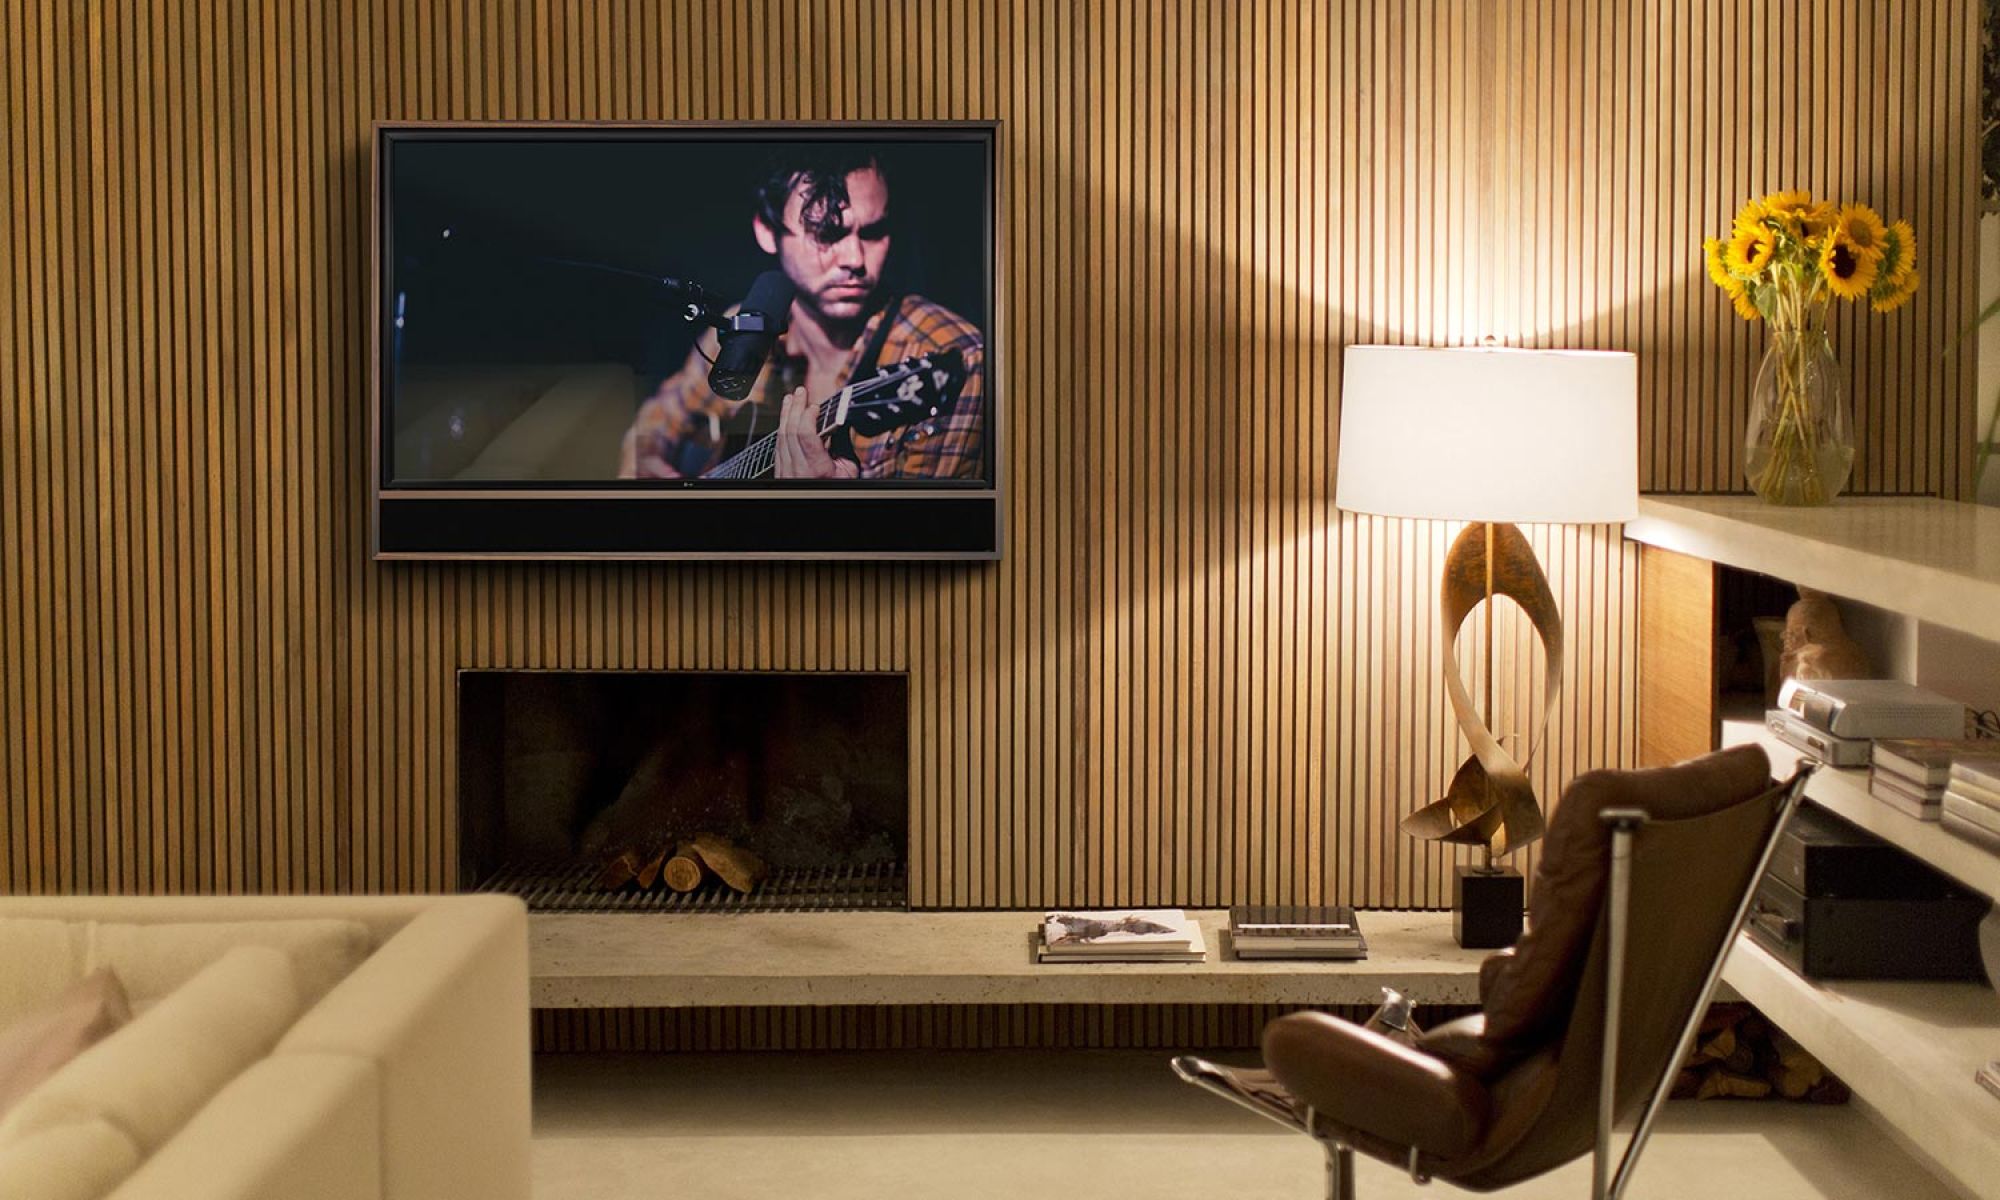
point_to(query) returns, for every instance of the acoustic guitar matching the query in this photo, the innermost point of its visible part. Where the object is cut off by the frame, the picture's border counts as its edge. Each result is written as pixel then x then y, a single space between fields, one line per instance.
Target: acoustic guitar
pixel 913 390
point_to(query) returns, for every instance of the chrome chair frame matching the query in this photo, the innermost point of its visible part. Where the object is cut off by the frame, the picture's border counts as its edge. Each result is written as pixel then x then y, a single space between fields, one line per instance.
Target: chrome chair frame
pixel 1607 1183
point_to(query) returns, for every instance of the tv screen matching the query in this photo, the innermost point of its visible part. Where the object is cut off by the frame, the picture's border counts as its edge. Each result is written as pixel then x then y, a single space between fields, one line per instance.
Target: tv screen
pixel 686 341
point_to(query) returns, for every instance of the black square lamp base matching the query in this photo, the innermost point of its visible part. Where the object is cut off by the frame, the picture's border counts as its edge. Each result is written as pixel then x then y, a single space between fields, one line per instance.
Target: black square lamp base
pixel 1486 907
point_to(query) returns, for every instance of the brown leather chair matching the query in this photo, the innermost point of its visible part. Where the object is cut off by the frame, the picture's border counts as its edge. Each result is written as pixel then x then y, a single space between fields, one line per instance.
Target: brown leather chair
pixel 1643 885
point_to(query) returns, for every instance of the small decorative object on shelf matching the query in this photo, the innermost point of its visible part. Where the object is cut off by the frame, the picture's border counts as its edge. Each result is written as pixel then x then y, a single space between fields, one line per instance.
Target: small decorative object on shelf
pixel 1816 644
pixel 1786 257
pixel 1989 1077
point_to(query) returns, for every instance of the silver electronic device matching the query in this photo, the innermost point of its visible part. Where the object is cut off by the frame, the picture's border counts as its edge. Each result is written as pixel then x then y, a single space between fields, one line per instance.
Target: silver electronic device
pixel 1872 708
pixel 1829 749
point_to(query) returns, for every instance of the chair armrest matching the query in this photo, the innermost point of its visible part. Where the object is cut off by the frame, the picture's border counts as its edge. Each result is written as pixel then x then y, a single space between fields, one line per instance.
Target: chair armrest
pixel 1359 1080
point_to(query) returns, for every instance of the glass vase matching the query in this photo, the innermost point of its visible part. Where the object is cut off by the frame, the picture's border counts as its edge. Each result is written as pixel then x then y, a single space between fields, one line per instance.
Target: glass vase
pixel 1799 448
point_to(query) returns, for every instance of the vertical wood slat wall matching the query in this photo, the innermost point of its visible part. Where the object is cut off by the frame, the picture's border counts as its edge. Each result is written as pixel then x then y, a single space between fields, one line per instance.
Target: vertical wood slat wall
pixel 932 1027
pixel 1189 681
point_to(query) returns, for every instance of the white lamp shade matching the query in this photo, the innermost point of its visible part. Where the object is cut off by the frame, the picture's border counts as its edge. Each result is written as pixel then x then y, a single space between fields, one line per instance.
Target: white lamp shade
pixel 1489 434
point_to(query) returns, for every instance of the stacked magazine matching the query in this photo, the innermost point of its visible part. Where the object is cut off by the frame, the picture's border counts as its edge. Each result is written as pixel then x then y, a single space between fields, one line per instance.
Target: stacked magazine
pixel 1910 774
pixel 1296 931
pixel 1971 804
pixel 1121 935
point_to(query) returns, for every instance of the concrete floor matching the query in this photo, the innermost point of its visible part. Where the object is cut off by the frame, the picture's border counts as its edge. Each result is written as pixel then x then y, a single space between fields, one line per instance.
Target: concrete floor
pixel 1070 1125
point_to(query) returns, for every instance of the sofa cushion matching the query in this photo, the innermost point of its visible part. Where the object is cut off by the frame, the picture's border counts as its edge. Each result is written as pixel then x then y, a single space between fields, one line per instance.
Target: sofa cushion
pixel 82 1160
pixel 44 959
pixel 153 959
pixel 292 1127
pixel 38 1045
pixel 148 1078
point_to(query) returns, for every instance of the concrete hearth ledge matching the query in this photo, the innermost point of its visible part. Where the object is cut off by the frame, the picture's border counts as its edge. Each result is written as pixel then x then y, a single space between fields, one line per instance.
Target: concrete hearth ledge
pixel 649 960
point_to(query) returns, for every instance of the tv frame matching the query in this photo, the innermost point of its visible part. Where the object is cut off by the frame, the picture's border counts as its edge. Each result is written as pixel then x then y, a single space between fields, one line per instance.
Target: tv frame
pixel 961 522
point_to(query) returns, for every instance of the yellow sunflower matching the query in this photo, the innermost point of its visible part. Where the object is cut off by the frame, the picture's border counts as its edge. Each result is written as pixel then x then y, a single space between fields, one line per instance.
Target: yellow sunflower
pixel 1745 306
pixel 1788 209
pixel 1718 270
pixel 1901 259
pixel 1819 218
pixel 1750 250
pixel 1848 270
pixel 1861 228
pixel 1898 259
pixel 1753 215
pixel 1896 294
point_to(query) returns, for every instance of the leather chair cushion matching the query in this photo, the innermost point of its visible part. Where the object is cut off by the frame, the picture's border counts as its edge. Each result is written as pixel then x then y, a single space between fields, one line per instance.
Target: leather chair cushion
pixel 1356 1079
pixel 1527 992
pixel 1462 1044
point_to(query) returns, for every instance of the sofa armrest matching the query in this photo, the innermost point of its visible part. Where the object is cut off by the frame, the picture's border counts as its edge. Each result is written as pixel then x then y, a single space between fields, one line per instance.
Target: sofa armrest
pixel 383 915
pixel 1359 1080
pixel 441 1011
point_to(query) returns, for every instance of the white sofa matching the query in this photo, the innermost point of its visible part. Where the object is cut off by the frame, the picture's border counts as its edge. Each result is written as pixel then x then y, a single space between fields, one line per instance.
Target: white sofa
pixel 407 1079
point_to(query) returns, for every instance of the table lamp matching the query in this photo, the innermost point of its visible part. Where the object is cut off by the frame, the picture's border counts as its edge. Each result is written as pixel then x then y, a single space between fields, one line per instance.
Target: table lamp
pixel 1495 437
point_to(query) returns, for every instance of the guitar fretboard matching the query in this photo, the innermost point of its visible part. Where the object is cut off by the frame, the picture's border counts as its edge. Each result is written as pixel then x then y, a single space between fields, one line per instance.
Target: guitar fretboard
pixel 760 456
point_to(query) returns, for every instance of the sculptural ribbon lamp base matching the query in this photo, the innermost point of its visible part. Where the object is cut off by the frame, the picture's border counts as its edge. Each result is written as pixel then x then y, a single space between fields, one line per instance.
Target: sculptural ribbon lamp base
pixel 1490 803
pixel 1486 907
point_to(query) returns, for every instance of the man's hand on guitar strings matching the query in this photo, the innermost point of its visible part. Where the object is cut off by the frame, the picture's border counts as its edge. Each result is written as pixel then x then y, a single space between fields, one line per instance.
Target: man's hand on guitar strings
pixel 648 463
pixel 801 452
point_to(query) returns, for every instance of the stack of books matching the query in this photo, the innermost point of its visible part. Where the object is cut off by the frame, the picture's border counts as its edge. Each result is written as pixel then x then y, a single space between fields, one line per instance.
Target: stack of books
pixel 1971 805
pixel 1121 935
pixel 1296 931
pixel 1909 774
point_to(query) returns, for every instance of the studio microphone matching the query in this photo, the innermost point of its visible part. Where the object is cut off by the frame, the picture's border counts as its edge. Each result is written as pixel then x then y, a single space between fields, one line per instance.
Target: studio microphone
pixel 747 341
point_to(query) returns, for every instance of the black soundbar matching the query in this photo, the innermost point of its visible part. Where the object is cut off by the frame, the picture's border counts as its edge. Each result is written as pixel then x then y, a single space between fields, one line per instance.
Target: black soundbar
pixel 716 527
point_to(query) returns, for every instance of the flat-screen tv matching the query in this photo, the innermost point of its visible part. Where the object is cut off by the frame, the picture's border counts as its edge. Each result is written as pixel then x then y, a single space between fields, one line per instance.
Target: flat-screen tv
pixel 686 341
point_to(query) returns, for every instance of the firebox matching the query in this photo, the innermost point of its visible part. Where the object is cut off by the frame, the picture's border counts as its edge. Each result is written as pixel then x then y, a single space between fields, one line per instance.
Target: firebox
pixel 677 791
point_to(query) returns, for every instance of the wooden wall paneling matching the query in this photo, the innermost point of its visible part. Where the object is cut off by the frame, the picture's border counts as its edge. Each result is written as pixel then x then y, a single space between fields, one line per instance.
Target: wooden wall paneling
pixel 1189 681
pixel 13 334
pixel 1676 668
pixel 1161 1027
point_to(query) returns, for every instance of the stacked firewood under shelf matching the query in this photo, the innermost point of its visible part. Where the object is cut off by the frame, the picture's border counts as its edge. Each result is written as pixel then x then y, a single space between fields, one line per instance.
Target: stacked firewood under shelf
pixel 683 865
pixel 1741 1055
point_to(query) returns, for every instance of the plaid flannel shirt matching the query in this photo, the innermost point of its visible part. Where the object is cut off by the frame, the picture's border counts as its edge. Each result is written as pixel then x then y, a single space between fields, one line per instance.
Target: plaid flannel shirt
pixel 686 423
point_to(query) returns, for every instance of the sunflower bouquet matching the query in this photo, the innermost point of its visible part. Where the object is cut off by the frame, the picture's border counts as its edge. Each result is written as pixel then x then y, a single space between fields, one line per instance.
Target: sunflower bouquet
pixel 1785 260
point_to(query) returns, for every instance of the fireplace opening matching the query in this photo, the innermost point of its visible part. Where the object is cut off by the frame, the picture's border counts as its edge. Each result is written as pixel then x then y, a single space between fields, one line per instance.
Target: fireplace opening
pixel 682 791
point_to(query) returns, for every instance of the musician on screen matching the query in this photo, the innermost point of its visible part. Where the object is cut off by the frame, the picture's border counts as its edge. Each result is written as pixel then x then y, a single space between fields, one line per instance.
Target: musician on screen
pixel 824 213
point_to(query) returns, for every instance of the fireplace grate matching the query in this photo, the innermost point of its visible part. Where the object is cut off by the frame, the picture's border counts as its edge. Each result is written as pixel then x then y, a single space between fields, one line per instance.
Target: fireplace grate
pixel 568 886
